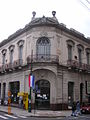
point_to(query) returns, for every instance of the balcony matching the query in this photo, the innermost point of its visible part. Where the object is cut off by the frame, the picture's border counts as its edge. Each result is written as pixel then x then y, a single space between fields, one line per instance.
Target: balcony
pixel 72 63
pixel 18 63
pixel 78 65
pixel 11 66
pixel 43 58
pixel 2 68
pixel 6 66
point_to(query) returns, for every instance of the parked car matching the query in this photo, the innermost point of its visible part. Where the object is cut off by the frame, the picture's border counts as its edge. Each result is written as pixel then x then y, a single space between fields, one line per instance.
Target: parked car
pixel 85 108
pixel 6 101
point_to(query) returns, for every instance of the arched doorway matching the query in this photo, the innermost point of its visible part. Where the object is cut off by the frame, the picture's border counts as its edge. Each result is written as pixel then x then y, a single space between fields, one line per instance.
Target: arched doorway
pixel 42 96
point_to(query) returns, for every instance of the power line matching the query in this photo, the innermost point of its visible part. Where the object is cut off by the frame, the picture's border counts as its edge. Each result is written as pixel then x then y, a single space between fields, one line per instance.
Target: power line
pixel 88 1
pixel 85 4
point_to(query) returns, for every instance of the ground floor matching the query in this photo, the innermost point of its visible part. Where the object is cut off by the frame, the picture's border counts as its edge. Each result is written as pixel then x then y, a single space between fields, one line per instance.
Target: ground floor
pixel 55 87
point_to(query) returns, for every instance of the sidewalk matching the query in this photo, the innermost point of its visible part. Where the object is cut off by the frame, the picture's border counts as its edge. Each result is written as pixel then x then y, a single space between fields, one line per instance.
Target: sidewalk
pixel 36 113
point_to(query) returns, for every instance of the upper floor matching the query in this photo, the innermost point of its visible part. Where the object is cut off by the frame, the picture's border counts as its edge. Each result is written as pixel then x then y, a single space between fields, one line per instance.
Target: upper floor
pixel 45 40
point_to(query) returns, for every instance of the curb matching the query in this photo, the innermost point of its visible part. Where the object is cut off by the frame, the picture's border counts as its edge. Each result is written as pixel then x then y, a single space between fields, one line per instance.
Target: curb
pixel 38 116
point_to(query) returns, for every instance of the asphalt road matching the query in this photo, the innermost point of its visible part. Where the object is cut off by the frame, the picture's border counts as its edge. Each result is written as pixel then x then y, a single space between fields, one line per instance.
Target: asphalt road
pixel 5 116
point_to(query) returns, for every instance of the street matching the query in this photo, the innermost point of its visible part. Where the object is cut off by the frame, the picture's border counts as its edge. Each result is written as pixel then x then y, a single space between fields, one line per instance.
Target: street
pixel 5 116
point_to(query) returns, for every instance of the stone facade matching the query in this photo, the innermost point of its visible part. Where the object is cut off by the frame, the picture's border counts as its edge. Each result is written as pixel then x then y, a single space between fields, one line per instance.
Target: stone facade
pixel 45 41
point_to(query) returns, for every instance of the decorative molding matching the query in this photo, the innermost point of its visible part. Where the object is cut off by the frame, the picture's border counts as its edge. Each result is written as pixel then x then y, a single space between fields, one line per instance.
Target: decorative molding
pixel 11 47
pixel 70 42
pixel 20 42
pixel 87 50
pixel 79 46
pixel 4 51
pixel 43 34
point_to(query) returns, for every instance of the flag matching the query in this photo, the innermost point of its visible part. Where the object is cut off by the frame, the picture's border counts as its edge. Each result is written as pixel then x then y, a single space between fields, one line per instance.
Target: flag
pixel 31 81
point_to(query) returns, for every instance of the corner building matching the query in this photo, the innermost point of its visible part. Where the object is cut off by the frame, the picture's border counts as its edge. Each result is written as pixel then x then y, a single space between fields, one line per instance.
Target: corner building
pixel 60 62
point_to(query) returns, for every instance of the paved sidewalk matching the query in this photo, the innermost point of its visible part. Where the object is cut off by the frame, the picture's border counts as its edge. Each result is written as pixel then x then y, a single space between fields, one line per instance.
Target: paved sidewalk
pixel 36 113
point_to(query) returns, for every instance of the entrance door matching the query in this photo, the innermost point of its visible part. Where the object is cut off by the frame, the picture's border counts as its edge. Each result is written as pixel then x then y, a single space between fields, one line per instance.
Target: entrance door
pixel 81 92
pixel 70 93
pixel 14 88
pixel 42 96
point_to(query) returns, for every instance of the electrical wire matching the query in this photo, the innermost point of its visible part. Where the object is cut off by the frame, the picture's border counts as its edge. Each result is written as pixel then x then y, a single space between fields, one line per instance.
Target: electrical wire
pixel 88 1
pixel 85 4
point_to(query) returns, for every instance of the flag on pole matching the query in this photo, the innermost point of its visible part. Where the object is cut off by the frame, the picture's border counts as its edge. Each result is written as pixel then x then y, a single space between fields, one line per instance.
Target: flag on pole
pixel 31 81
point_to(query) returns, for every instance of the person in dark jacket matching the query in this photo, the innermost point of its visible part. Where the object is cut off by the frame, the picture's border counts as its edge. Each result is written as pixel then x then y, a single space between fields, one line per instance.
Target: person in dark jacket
pixel 73 109
pixel 78 112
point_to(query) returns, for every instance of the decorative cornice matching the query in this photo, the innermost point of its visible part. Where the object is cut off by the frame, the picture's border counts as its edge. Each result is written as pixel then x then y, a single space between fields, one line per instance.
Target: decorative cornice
pixel 47 21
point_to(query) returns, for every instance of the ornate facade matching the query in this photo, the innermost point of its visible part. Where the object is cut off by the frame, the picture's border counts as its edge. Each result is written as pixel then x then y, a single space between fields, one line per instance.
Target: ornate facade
pixel 59 58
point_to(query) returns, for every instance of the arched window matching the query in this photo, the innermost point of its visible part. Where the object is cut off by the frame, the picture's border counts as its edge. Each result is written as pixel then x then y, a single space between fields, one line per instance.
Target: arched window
pixel 11 49
pixel 88 55
pixel 20 50
pixel 43 47
pixel 80 51
pixel 4 56
pixel 70 45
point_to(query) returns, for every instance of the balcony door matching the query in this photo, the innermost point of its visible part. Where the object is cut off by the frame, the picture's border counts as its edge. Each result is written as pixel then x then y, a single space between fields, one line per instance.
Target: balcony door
pixel 43 48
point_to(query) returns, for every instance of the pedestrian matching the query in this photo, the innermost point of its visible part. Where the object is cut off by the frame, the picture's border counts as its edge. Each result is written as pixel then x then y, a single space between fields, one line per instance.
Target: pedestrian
pixel 78 111
pixel 73 109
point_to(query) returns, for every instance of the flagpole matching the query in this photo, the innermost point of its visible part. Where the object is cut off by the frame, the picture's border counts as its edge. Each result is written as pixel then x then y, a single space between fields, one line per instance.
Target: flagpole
pixel 29 101
pixel 29 97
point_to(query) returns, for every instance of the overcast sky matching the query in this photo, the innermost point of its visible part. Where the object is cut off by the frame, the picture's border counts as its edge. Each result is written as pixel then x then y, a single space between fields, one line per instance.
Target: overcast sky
pixel 15 14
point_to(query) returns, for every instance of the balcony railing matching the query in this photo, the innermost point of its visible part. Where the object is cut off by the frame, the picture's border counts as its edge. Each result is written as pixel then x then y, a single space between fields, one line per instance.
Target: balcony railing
pixel 43 58
pixel 2 68
pixel 11 66
pixel 18 63
pixel 78 65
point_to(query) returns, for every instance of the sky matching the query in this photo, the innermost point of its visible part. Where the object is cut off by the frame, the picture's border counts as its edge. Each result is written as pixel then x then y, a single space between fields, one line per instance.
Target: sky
pixel 15 14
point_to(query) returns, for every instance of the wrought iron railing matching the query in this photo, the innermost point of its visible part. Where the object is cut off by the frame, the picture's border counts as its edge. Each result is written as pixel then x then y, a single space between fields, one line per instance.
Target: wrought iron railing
pixel 42 58
pixel 2 68
pixel 18 63
pixel 78 65
pixel 11 66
